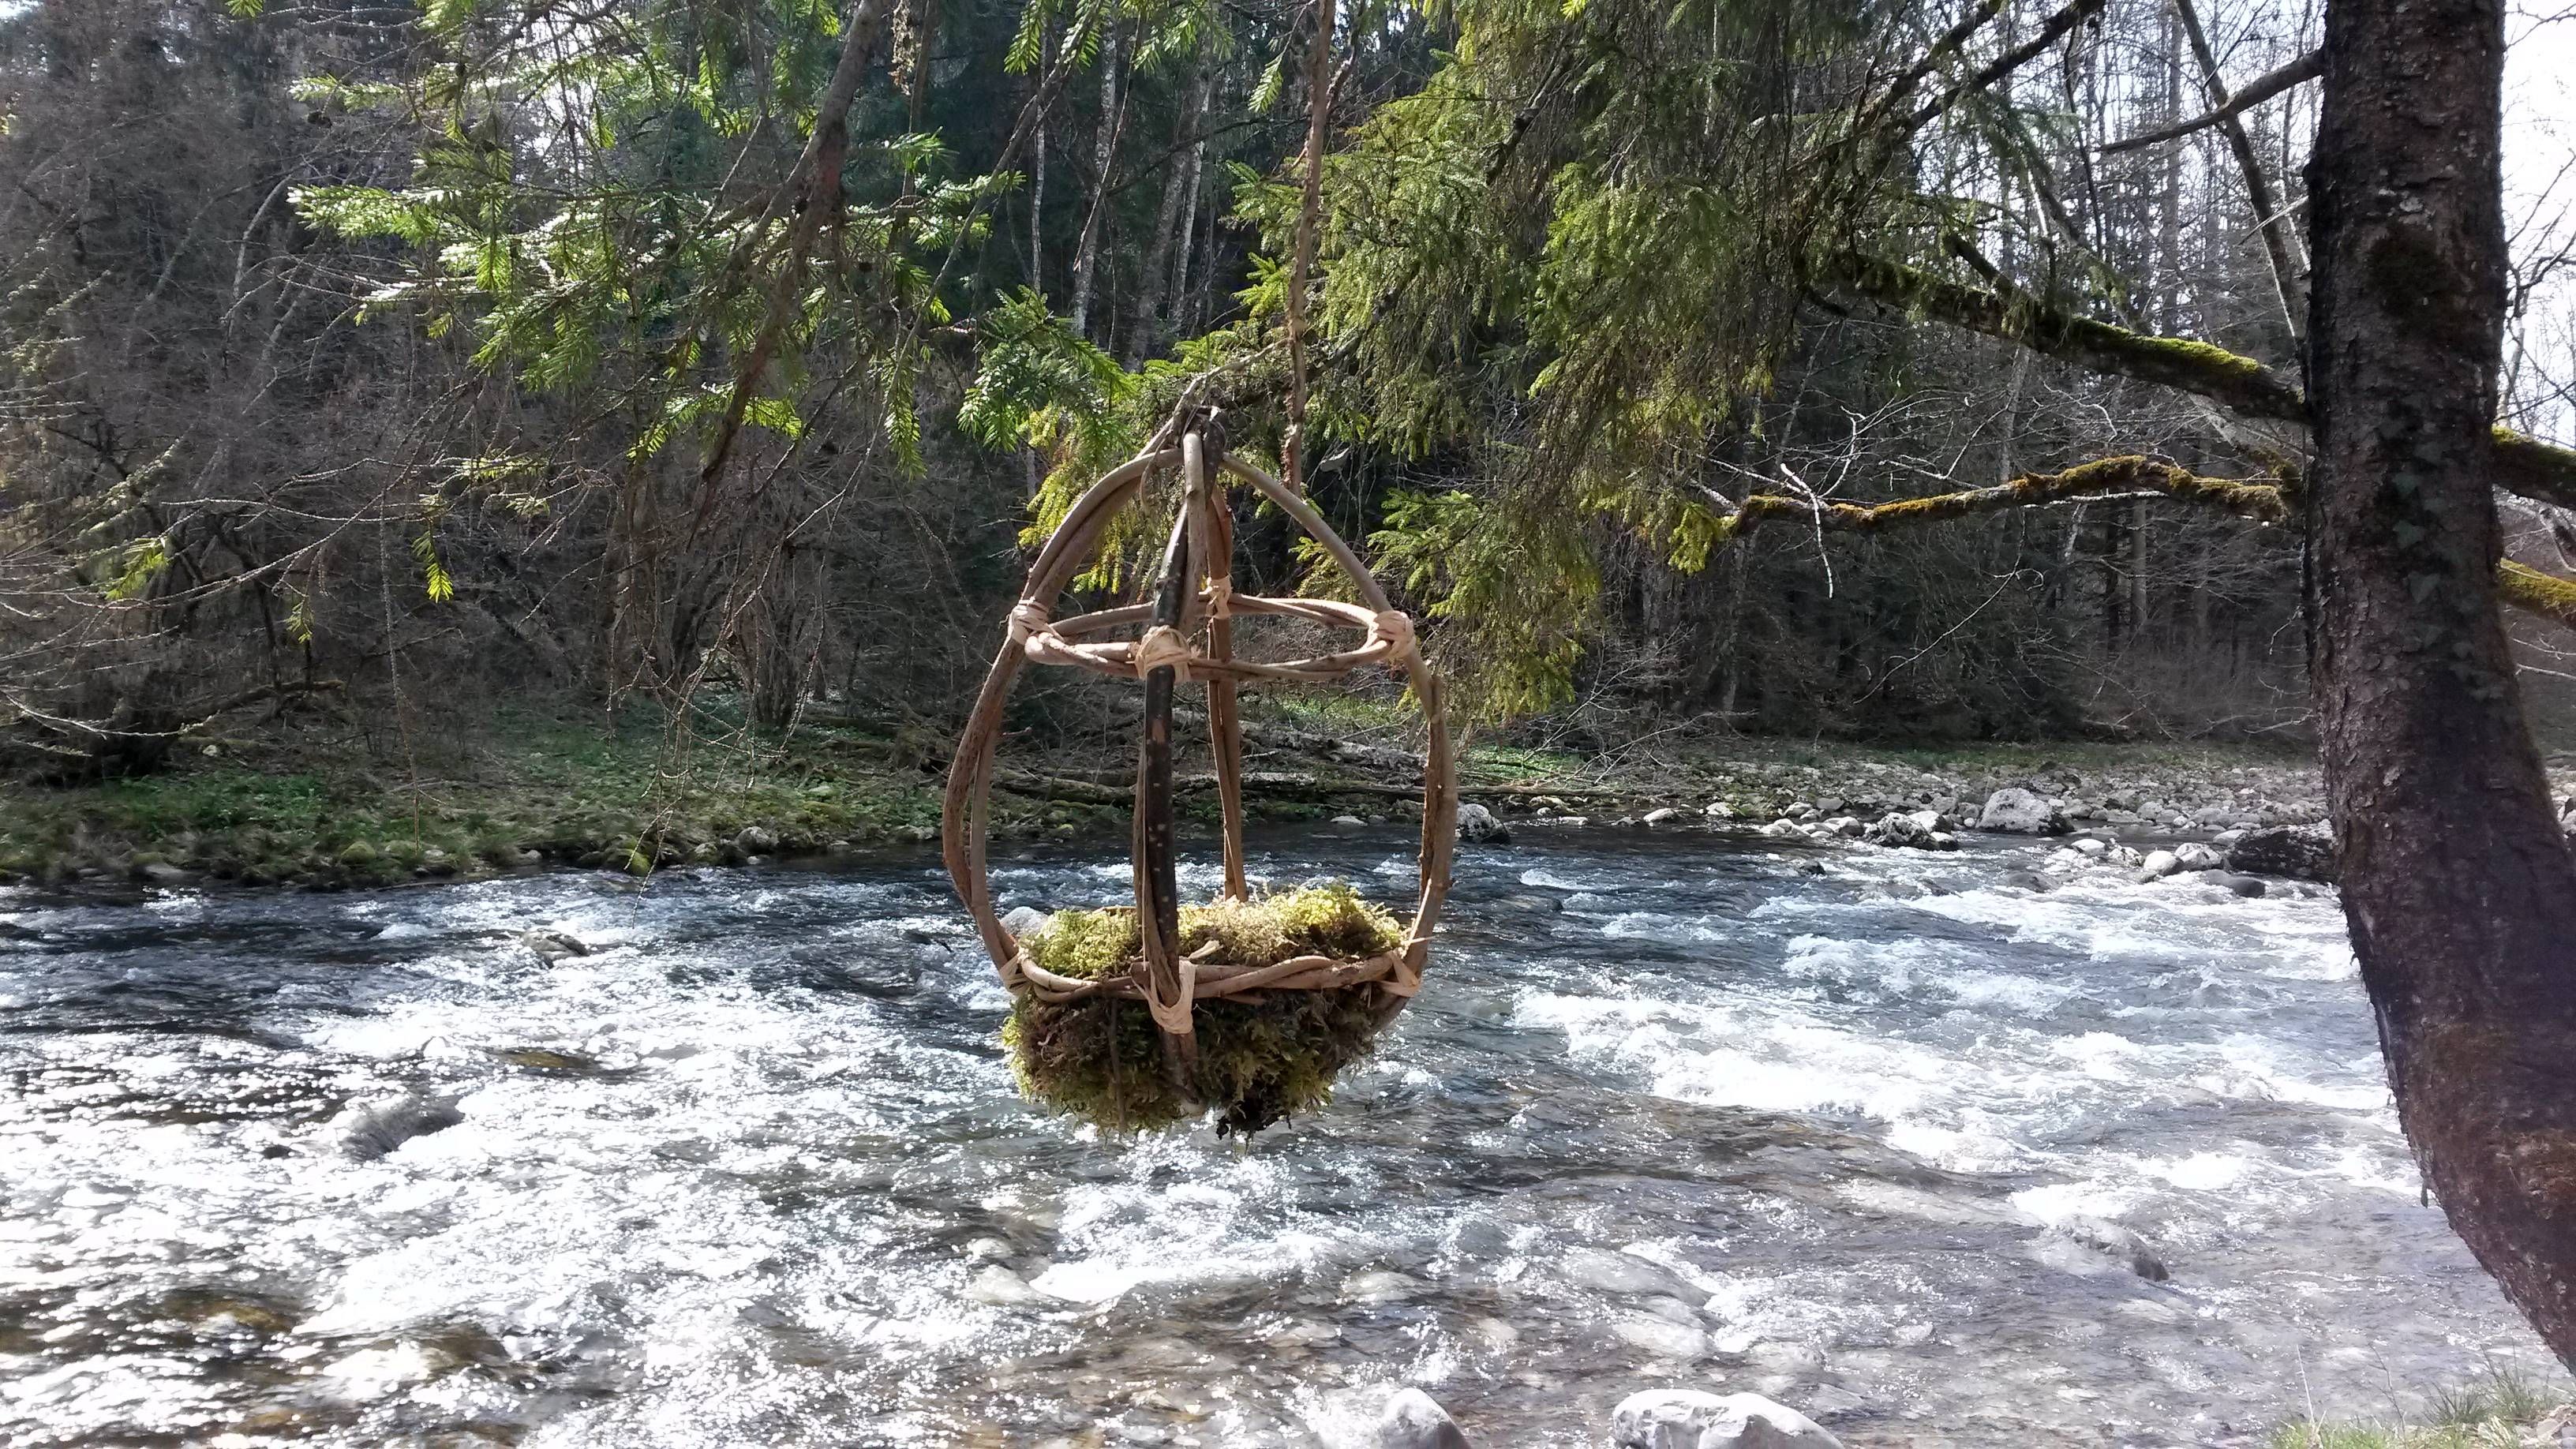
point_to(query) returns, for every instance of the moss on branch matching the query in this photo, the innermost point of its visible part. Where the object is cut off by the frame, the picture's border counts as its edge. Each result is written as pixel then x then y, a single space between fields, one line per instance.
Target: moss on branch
pixel 2527 466
pixel 2262 502
pixel 2519 585
pixel 2532 591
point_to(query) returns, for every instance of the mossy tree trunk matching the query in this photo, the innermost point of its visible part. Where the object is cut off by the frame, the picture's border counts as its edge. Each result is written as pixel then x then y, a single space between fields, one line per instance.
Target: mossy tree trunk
pixel 2458 887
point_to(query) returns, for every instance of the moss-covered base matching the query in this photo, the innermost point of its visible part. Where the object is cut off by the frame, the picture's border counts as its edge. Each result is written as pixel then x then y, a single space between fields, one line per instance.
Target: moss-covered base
pixel 1259 1062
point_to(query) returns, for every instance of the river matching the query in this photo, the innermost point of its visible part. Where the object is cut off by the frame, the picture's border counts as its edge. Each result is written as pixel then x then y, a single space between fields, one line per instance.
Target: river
pixel 1671 1110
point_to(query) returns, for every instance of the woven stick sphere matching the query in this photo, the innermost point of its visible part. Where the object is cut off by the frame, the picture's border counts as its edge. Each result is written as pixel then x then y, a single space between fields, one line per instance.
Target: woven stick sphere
pixel 1099 1016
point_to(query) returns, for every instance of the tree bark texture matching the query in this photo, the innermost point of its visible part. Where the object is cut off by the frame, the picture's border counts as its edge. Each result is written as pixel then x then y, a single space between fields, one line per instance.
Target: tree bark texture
pixel 2458 887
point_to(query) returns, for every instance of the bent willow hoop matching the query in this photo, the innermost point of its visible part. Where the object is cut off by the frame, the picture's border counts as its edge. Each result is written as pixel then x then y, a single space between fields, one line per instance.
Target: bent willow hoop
pixel 1185 635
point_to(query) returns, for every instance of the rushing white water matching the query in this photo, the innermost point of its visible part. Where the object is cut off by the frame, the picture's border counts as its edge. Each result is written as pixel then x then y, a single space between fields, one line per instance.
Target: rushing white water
pixel 1672 1111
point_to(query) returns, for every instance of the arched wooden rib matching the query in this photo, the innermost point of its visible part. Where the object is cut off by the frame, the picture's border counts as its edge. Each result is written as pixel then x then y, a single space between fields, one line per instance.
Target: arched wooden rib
pixel 963 816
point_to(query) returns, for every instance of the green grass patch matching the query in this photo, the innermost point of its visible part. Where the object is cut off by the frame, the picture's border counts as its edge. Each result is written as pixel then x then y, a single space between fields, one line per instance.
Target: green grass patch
pixel 2495 1411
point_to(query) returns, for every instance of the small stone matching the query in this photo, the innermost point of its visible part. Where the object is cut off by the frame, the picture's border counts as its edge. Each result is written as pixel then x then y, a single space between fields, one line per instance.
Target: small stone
pixel 1689 1419
pixel 1662 815
pixel 2247 886
pixel 1001 1288
pixel 2158 865
pixel 756 840
pixel 1026 921
pixel 2116 1241
pixel 1720 810
pixel 2016 811
pixel 1414 1420
pixel 2091 848
pixel 1348 822
pixel 1477 826
pixel 2299 852
pixel 1381 1287
pixel 1660 1337
pixel 369 1130
pixel 162 873
pixel 553 946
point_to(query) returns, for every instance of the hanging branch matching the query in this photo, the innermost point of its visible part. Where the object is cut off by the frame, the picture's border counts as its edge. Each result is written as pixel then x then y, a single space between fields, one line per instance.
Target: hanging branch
pixel 816 184
pixel 2280 240
pixel 1301 261
pixel 2306 68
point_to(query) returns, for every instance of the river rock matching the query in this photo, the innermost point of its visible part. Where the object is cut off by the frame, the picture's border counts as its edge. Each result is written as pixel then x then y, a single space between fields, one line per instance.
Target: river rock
pixel 2117 1241
pixel 369 1130
pixel 1689 1419
pixel 1477 826
pixel 2301 852
pixel 1915 829
pixel 1026 920
pixel 999 1287
pixel 553 946
pixel 756 840
pixel 2016 811
pixel 2158 865
pixel 1662 815
pixel 2196 856
pixel 2249 886
pixel 1414 1420
pixel 1720 812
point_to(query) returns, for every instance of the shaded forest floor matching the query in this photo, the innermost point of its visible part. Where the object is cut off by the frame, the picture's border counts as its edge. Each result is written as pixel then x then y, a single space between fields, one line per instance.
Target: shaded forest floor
pixel 529 792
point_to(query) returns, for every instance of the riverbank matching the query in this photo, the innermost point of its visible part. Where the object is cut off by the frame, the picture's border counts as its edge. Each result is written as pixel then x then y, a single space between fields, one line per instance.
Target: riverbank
pixel 534 794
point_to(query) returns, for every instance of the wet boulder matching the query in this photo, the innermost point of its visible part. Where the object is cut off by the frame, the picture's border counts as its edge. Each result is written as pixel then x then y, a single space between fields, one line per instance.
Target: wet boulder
pixel 2196 856
pixel 2158 865
pixel 1025 920
pixel 553 946
pixel 1414 1420
pixel 1477 826
pixel 2300 852
pixel 1689 1419
pixel 369 1130
pixel 2117 1242
pixel 2250 887
pixel 1913 829
pixel 2016 811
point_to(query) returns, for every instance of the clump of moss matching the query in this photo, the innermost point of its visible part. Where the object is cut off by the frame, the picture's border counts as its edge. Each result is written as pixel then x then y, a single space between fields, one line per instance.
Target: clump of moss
pixel 1260 1061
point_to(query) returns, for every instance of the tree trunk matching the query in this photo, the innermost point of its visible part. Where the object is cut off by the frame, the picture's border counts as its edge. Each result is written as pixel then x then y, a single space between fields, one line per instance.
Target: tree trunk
pixel 1180 197
pixel 2459 889
pixel 1086 252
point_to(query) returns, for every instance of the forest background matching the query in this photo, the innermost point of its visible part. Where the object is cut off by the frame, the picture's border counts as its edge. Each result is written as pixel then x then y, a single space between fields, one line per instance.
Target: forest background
pixel 385 386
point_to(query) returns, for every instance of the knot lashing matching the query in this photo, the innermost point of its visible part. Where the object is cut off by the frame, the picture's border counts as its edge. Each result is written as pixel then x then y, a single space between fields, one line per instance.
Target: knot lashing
pixel 1163 647
pixel 1028 616
pixel 1173 1017
pixel 1395 628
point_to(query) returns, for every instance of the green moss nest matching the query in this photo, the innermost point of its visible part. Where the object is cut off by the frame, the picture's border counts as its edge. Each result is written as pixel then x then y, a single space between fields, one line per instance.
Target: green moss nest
pixel 1260 1061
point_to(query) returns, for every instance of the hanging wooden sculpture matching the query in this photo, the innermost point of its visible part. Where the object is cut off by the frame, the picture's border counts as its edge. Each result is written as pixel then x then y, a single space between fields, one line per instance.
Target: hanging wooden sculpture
pixel 1143 1016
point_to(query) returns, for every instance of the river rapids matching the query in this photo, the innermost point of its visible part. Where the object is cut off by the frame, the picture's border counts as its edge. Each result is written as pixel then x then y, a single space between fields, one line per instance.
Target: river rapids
pixel 1861 1130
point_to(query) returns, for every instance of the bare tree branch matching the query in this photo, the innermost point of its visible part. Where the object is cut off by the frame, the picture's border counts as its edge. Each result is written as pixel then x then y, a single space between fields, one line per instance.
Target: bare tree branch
pixel 2306 68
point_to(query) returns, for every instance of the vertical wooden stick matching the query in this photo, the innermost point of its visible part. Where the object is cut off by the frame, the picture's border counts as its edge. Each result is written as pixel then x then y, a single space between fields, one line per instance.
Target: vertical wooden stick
pixel 1158 895
pixel 1213 537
